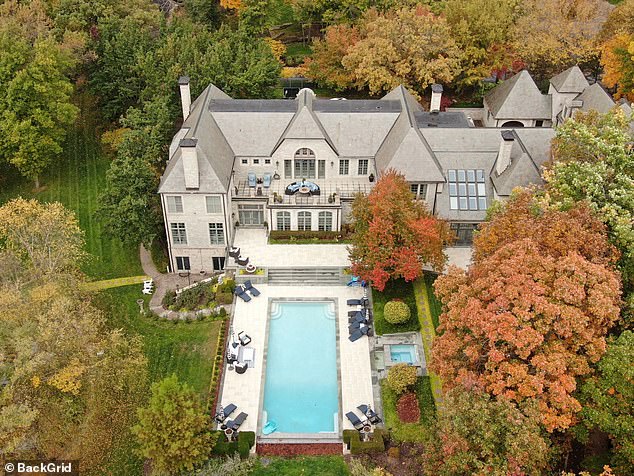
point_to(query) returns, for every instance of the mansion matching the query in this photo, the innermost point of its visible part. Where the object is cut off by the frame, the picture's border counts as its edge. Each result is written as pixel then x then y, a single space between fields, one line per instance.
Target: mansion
pixel 297 164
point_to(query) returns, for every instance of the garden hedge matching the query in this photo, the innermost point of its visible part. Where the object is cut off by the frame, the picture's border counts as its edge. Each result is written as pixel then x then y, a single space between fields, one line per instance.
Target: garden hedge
pixel 376 443
pixel 246 439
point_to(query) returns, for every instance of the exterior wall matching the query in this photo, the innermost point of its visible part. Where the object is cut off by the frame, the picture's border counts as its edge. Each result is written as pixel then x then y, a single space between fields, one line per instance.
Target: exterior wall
pixel 336 217
pixel 196 219
pixel 559 100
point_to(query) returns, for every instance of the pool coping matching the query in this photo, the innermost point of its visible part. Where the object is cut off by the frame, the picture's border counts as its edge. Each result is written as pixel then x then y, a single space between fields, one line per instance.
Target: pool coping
pixel 278 437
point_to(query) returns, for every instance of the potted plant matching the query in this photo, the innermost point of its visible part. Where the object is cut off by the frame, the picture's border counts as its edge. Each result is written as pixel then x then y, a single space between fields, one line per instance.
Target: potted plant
pixel 371 177
pixel 237 224
pixel 331 198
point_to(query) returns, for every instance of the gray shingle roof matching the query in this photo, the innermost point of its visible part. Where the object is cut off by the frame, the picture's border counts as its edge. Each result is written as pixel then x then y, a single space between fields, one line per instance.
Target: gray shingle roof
pixel 518 98
pixel 595 97
pixel 571 80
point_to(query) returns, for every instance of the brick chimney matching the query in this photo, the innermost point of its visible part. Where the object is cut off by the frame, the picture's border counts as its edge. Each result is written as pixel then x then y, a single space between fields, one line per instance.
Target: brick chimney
pixel 504 155
pixel 436 96
pixel 186 98
pixel 190 162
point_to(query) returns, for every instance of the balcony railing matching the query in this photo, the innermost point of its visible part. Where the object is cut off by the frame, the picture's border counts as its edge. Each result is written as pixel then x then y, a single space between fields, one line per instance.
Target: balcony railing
pixel 340 190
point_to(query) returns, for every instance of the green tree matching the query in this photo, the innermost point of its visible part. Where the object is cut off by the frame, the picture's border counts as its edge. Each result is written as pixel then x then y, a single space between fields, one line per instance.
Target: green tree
pixel 173 430
pixel 608 400
pixel 479 435
pixel 35 109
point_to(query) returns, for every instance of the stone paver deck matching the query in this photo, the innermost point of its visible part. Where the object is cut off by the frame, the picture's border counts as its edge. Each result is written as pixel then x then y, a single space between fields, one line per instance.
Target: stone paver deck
pixel 245 390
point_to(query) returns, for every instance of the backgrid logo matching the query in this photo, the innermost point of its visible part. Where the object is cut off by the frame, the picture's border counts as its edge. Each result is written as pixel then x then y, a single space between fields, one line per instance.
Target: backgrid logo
pixel 65 468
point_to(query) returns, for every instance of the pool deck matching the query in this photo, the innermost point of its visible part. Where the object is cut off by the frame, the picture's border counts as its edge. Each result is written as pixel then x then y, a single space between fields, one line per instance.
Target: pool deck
pixel 246 390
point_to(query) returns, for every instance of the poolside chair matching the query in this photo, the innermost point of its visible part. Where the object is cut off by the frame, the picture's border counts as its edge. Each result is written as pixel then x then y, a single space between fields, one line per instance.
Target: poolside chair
pixel 252 179
pixel 370 414
pixel 239 420
pixel 355 336
pixel 244 338
pixel 240 292
pixel 242 261
pixel 354 313
pixel 249 287
pixel 357 302
pixel 225 412
pixel 266 180
pixel 354 419
pixel 357 319
pixel 241 367
pixel 357 325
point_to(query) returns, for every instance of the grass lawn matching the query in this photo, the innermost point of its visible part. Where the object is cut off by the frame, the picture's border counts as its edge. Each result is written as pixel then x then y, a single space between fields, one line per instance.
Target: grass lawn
pixel 75 181
pixel 435 307
pixel 395 289
pixel 409 432
pixel 298 49
pixel 303 465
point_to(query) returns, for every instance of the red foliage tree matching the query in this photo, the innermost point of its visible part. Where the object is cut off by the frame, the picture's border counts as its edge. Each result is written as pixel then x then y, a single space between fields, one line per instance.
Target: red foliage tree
pixel 532 312
pixel 407 408
pixel 395 235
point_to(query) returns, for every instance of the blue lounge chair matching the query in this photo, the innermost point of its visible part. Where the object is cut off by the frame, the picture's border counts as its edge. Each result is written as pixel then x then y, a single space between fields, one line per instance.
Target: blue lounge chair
pixel 370 414
pixel 239 420
pixel 354 419
pixel 357 302
pixel 359 318
pixel 252 179
pixel 354 313
pixel 240 292
pixel 249 287
pixel 355 336
pixel 226 411
pixel 266 180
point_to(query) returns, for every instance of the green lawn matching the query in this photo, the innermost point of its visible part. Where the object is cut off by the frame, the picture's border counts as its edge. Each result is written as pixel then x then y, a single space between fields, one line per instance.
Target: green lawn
pixel 298 49
pixel 303 465
pixel 76 181
pixel 395 289
pixel 435 307
pixel 409 432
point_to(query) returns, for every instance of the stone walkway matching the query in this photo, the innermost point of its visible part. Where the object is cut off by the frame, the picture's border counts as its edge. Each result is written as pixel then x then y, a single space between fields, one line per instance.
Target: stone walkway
pixel 428 333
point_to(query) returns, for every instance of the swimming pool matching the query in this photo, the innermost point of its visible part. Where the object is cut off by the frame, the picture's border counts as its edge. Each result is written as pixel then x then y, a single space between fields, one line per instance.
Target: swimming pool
pixel 301 391
pixel 403 353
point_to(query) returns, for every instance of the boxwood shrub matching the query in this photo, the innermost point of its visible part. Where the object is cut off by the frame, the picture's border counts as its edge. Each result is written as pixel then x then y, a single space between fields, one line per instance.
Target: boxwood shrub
pixel 396 312
pixel 245 440
pixel 376 443
pixel 401 377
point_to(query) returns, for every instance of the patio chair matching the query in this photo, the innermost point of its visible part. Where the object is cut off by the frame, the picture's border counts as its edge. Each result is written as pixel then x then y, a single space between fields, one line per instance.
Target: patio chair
pixel 249 287
pixel 241 367
pixel 355 336
pixel 357 302
pixel 244 338
pixel 148 290
pixel 266 180
pixel 239 420
pixel 234 252
pixel 225 412
pixel 357 325
pixel 370 414
pixel 240 292
pixel 252 179
pixel 242 261
pixel 354 313
pixel 359 319
pixel 354 419
pixel 148 283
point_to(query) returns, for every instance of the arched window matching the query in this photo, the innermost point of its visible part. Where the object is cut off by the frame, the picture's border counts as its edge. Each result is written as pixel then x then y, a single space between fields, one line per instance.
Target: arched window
pixel 284 221
pixel 513 124
pixel 304 220
pixel 325 221
pixel 304 163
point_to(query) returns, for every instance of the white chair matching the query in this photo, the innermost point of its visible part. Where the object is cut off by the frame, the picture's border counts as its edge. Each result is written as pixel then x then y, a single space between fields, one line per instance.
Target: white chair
pixel 147 291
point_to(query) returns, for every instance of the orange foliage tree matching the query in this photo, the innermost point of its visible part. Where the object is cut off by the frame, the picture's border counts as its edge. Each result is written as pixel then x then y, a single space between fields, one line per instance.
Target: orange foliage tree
pixel 395 235
pixel 617 59
pixel 531 314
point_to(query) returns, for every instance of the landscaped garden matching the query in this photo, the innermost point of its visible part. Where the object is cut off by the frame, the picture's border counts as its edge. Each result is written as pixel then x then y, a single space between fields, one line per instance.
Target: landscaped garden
pixel 395 290
pixel 304 466
pixel 207 295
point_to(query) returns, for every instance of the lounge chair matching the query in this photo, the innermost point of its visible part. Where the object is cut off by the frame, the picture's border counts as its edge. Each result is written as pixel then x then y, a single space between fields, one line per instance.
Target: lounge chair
pixel 252 179
pixel 244 338
pixel 357 319
pixel 241 367
pixel 240 292
pixel 357 325
pixel 355 313
pixel 357 302
pixel 226 411
pixel 370 414
pixel 266 180
pixel 354 419
pixel 242 261
pixel 239 420
pixel 355 336
pixel 249 287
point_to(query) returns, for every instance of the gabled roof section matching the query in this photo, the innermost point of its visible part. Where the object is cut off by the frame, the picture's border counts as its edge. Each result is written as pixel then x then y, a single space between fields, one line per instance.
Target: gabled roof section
pixel 518 98
pixel 571 80
pixel 521 172
pixel 595 97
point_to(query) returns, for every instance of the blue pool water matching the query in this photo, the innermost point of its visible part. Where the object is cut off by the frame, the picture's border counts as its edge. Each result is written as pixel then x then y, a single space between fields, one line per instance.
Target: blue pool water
pixel 403 353
pixel 301 393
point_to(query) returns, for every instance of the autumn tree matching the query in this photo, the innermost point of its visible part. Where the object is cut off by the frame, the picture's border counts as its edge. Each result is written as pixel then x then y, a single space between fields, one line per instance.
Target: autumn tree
pixel 620 20
pixel 531 314
pixel 594 162
pixel 617 59
pixel 608 400
pixel 394 234
pixel 476 434
pixel 410 46
pixel 551 35
pixel 174 430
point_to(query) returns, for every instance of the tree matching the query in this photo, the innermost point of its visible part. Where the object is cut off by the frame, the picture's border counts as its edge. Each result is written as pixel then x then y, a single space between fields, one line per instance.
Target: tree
pixel 608 400
pixel 551 35
pixel 173 430
pixel 412 47
pixel 394 235
pixel 620 20
pixel 617 59
pixel 46 237
pixel 529 316
pixel 593 161
pixel 477 434
pixel 35 109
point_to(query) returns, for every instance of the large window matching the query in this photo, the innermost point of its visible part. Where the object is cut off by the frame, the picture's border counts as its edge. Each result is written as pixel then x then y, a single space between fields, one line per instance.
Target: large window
pixel 304 221
pixel 419 190
pixel 182 263
pixel 344 167
pixel 214 204
pixel 283 221
pixel 467 190
pixel 251 214
pixel 304 163
pixel 174 204
pixel 179 233
pixel 288 169
pixel 321 169
pixel 325 221
pixel 216 234
pixel 464 233
pixel 363 167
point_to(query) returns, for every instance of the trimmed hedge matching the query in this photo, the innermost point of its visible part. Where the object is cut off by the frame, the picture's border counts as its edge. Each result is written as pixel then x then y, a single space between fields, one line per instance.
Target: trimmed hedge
pixel 401 377
pixel 246 439
pixel 396 312
pixel 290 236
pixel 376 443
pixel 435 306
